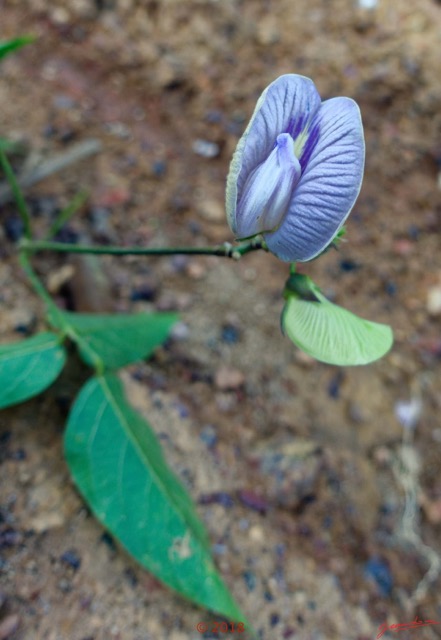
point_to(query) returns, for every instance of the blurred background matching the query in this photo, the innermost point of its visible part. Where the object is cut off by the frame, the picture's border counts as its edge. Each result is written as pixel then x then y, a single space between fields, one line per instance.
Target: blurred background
pixel 299 468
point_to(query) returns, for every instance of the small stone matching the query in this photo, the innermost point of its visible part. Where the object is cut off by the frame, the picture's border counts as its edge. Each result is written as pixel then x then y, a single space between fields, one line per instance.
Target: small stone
pixel 250 580
pixel 13 228
pixel 212 211
pixel 267 31
pixel 403 247
pixel 433 304
pixel 378 571
pixel 60 16
pixel 408 412
pixel 118 130
pixel 196 270
pixel 159 168
pixel 256 534
pixel 208 436
pixel 205 148
pixel 227 378
pixel 71 558
pixel 146 292
pixel 65 585
pixel 180 331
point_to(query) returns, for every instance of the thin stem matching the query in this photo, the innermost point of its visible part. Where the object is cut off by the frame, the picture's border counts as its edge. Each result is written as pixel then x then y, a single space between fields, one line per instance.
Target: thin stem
pixel 18 194
pixel 55 315
pixel 65 214
pixel 36 282
pixel 225 250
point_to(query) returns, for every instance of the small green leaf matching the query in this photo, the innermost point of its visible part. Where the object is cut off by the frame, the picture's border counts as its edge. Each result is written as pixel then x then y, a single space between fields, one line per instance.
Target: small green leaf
pixel 28 367
pixel 8 46
pixel 115 340
pixel 117 463
pixel 328 332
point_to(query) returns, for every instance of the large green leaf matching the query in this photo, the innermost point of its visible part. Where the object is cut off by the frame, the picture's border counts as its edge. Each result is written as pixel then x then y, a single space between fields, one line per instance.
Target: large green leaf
pixel 118 466
pixel 28 367
pixel 328 332
pixel 8 46
pixel 115 340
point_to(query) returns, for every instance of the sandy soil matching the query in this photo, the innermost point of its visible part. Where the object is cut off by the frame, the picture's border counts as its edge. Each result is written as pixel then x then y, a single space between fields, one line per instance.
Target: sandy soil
pixel 313 543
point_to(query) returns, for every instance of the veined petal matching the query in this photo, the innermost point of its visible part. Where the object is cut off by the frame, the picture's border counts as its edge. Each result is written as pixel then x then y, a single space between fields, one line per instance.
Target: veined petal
pixel 286 106
pixel 268 191
pixel 332 161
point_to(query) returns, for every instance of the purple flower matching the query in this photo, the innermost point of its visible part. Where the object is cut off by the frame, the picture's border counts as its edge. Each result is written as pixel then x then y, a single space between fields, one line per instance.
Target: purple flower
pixel 297 170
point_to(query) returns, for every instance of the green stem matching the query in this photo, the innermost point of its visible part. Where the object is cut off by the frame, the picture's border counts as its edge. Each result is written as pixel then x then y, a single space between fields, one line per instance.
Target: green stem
pixel 225 250
pixel 35 281
pixel 55 315
pixel 18 195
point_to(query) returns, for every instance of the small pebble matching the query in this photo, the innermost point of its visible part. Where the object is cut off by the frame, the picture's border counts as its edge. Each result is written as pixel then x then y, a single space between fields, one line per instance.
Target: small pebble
pixel 65 585
pixel 349 265
pixel 433 304
pixel 13 227
pixel 71 558
pixel 256 534
pixel 180 331
pixel 377 570
pixel 250 580
pixel 408 412
pixel 145 293
pixel 196 270
pixel 334 385
pixel 274 619
pixel 228 378
pixel 10 537
pixel 367 4
pixel 208 436
pixel 212 211
pixel 391 288
pixel 159 168
pixel 179 263
pixel 205 148
pixel 230 334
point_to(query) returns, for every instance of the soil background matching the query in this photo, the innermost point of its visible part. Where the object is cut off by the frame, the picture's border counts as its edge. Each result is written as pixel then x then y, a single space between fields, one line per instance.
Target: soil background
pixel 298 468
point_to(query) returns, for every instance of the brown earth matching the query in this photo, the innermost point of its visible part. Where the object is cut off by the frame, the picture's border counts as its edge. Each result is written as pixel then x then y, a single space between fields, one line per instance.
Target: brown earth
pixel 314 545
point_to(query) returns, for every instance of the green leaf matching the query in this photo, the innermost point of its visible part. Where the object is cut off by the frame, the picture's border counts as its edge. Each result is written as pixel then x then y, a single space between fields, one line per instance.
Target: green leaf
pixel 117 463
pixel 28 367
pixel 8 46
pixel 115 340
pixel 328 332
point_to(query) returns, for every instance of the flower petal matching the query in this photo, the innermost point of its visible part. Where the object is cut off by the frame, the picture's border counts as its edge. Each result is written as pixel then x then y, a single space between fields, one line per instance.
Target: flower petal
pixel 332 161
pixel 268 191
pixel 286 106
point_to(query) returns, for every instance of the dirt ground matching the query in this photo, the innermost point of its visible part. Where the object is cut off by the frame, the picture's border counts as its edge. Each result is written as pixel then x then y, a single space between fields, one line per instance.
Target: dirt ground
pixel 299 468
